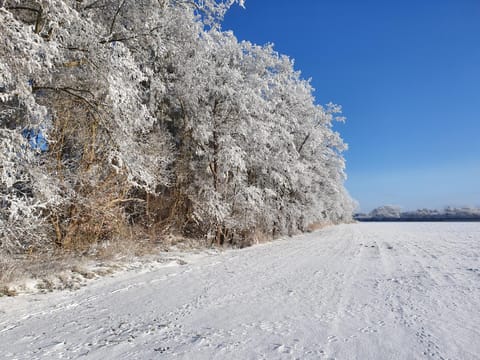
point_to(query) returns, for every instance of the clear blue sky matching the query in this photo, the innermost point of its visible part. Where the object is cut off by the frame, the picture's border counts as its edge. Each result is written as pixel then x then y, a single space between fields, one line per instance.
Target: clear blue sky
pixel 407 74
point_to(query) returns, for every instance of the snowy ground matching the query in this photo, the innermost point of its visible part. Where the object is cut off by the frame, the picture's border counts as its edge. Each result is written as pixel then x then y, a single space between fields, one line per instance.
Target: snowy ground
pixel 363 291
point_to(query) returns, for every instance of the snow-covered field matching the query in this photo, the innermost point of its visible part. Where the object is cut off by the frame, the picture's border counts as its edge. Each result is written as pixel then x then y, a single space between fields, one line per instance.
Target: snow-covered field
pixel 362 291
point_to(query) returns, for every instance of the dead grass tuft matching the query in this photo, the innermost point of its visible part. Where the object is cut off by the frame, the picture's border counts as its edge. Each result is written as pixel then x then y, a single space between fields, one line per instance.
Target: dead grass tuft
pixel 6 291
pixel 316 226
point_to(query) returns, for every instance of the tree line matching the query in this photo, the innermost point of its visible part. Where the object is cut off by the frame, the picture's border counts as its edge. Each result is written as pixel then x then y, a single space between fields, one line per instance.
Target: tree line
pixel 141 118
pixel 395 213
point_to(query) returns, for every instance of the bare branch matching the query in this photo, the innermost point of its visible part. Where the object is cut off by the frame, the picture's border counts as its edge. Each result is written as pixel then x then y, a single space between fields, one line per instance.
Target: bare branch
pixel 69 91
pixel 93 5
pixel 115 16
pixel 23 8
pixel 127 38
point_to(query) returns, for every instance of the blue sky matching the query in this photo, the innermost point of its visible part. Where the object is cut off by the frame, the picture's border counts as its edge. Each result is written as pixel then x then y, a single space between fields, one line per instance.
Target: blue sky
pixel 407 74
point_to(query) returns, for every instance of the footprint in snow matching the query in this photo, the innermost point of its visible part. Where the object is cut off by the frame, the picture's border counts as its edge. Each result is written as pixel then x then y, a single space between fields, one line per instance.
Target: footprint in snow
pixel 281 348
pixel 161 350
pixel 367 329
pixel 332 338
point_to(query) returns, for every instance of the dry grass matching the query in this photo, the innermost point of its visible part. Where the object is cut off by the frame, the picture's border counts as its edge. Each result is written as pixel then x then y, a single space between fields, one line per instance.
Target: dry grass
pixel 63 269
pixel 6 291
pixel 43 273
pixel 257 237
pixel 317 226
pixel 67 268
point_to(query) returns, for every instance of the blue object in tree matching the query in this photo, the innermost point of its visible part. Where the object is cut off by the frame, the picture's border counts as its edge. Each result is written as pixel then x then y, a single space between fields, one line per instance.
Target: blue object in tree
pixel 36 139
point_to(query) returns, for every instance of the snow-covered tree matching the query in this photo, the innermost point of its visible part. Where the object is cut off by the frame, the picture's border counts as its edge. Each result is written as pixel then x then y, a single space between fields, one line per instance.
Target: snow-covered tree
pixel 386 212
pixel 83 95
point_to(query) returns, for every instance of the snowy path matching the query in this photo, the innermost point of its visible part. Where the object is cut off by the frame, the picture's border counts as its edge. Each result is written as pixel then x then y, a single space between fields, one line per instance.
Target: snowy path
pixel 363 291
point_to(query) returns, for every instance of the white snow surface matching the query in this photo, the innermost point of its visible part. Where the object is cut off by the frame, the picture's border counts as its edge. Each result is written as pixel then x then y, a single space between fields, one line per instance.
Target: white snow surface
pixel 360 291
